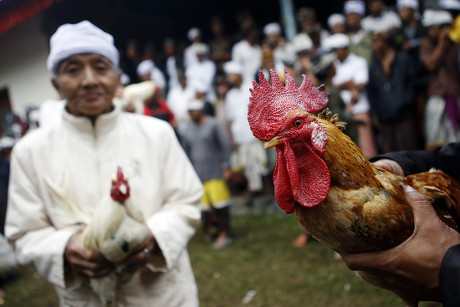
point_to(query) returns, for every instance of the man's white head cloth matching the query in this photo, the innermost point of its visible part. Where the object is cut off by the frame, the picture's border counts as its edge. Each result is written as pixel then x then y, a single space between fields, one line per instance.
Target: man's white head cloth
pixel 79 38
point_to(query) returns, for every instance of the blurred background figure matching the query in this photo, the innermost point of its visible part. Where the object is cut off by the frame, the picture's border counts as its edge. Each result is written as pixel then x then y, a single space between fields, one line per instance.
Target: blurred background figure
pixel 129 59
pixel 439 54
pixel 220 44
pixel 147 70
pixel 360 39
pixel 170 62
pixel 195 36
pixel 380 16
pixel 283 51
pixel 391 90
pixel 201 73
pixel 309 25
pixel 337 23
pixel 208 147
pixel 248 152
pixel 177 99
pixel 248 54
pixel 351 78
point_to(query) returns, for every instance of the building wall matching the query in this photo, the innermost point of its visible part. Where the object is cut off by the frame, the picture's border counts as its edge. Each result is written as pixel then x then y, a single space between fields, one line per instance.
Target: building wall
pixel 23 54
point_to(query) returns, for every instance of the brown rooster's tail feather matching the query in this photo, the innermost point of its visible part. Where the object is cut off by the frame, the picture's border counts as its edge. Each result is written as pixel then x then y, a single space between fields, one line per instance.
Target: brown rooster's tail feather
pixel 443 192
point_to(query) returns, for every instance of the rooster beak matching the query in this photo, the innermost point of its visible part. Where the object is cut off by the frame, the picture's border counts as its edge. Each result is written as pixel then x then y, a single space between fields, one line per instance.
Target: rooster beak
pixel 272 143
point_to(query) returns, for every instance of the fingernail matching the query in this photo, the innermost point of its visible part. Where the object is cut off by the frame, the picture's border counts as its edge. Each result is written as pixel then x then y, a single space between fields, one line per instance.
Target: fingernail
pixel 408 188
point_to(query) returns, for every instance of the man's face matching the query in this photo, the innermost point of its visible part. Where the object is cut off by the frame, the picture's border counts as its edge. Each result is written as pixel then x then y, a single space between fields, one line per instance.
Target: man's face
pixel 88 82
pixel 353 21
pixel 342 53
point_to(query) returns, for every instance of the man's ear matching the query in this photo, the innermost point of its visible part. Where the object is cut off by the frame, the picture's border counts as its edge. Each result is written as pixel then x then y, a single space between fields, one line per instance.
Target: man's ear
pixel 55 84
pixel 57 87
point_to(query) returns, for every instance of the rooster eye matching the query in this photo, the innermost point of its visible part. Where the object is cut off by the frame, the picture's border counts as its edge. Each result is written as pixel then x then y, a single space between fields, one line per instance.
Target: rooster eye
pixel 297 123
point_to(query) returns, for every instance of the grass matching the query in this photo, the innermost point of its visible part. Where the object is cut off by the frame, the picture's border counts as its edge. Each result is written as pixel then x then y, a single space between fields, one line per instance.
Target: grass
pixel 260 258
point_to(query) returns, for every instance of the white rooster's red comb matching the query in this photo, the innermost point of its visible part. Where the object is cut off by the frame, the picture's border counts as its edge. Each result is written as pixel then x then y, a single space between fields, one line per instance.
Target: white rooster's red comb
pixel 268 103
pixel 120 187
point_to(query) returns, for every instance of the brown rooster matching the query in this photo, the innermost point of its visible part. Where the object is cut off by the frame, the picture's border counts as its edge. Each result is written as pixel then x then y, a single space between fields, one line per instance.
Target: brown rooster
pixel 322 177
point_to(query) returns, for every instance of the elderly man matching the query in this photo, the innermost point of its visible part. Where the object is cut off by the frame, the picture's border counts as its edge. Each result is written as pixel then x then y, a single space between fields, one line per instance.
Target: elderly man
pixel 93 139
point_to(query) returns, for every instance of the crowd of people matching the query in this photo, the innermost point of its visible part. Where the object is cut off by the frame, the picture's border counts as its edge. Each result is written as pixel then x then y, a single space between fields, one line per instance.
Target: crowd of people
pixel 392 73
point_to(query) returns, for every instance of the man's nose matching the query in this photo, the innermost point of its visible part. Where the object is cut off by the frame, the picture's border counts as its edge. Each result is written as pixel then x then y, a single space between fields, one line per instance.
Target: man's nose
pixel 89 77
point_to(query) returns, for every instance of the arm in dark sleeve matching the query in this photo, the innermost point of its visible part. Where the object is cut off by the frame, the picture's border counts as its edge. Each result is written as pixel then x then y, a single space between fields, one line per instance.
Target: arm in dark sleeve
pixel 449 277
pixel 446 159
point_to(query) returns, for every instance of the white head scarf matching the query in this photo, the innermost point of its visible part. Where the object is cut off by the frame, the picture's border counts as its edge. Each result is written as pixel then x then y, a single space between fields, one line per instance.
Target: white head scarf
pixel 435 18
pixel 412 4
pixel 83 37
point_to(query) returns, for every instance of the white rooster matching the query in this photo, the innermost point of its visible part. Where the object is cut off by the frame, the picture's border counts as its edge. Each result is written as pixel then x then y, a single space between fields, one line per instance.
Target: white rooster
pixel 115 230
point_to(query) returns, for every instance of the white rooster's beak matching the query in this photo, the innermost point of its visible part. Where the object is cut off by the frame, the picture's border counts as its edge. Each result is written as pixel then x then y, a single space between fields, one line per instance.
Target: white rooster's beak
pixel 272 143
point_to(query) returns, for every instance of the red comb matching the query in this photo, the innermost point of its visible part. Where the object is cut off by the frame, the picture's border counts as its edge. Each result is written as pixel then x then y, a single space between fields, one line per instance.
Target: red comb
pixel 117 186
pixel 270 103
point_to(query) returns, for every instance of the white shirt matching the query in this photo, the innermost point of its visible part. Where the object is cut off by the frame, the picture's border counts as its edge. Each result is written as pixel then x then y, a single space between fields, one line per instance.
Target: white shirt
pixel 50 112
pixel 353 68
pixel 236 109
pixel 177 100
pixel 249 57
pixel 202 75
pixel 163 185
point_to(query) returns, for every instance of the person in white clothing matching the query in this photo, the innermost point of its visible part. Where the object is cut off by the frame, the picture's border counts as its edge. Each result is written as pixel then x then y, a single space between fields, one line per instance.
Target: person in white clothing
pixel 248 151
pixel 351 77
pixel 147 70
pixel 80 156
pixel 177 99
pixel 202 72
pixel 283 50
pixel 379 16
pixel 248 54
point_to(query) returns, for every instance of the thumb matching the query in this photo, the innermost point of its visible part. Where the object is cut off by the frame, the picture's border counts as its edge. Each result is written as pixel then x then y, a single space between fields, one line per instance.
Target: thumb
pixel 421 206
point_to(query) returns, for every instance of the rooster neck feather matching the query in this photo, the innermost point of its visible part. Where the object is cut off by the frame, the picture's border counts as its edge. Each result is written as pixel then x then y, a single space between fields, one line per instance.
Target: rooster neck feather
pixel 346 162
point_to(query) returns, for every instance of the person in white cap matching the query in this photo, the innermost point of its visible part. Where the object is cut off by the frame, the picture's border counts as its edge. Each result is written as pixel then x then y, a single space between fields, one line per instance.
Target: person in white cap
pixel 248 53
pixel 79 157
pixel 147 70
pixel 351 78
pixel 453 7
pixel 283 50
pixel 303 65
pixel 380 15
pixel 195 36
pixel 337 23
pixel 177 100
pixel 209 149
pixel 408 37
pixel 248 151
pixel 439 54
pixel 310 26
pixel 360 39
pixel 202 72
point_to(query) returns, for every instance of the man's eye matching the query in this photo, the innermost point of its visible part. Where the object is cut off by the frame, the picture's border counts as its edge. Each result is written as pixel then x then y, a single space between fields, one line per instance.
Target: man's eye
pixel 297 123
pixel 71 70
pixel 101 68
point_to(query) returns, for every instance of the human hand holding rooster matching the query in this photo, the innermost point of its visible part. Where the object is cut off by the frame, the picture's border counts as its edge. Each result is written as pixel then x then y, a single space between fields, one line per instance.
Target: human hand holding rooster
pixel 84 261
pixel 414 264
pixel 141 256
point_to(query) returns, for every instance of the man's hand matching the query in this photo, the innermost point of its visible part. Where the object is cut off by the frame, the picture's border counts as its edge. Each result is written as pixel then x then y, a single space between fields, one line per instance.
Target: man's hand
pixel 415 263
pixel 84 261
pixel 141 256
pixel 390 165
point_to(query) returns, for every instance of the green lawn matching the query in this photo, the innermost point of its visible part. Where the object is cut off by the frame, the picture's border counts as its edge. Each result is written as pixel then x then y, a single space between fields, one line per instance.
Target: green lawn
pixel 260 258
